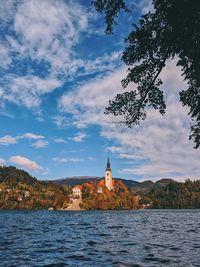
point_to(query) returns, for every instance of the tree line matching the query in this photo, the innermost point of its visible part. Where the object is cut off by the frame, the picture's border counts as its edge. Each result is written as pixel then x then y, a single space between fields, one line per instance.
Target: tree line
pixel 19 190
pixel 175 195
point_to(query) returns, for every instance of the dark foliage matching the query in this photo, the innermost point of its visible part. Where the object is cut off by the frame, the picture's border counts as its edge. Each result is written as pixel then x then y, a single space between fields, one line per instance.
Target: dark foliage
pixel 171 30
pixel 12 176
pixel 175 196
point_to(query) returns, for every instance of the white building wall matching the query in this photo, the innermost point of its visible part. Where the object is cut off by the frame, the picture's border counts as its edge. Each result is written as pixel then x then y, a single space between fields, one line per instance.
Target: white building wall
pixel 108 180
pixel 76 192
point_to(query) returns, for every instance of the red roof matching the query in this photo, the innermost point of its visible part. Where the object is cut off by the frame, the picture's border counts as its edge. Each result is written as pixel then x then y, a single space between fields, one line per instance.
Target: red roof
pixel 89 186
pixel 78 186
pixel 101 183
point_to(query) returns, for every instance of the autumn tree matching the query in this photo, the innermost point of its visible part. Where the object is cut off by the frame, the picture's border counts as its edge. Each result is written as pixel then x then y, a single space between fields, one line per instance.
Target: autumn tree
pixel 171 30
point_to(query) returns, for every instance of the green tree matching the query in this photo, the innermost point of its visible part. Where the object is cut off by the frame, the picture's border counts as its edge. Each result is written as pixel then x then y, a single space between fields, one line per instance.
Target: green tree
pixel 171 30
pixel 175 195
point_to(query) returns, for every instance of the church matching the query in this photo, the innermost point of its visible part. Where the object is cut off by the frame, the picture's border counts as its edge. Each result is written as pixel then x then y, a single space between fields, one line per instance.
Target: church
pixel 108 176
pixel 108 181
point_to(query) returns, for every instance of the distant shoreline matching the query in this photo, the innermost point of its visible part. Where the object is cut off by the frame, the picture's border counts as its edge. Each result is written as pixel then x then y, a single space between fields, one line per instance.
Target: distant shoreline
pixel 149 209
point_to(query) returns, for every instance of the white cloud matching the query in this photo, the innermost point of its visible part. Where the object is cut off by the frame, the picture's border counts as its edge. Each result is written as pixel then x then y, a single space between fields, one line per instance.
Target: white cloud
pixel 5 113
pixel 5 59
pixel 80 124
pixel 32 136
pixel 60 140
pixel 7 11
pixel 25 163
pixel 8 140
pixel 114 149
pixel 2 162
pixel 1 91
pixel 102 64
pixel 129 156
pixel 145 6
pixel 79 137
pixel 27 90
pixel 40 144
pixel 52 29
pixel 60 121
pixel 88 101
pixel 49 38
pixel 159 146
pixel 91 158
pixel 45 32
pixel 59 160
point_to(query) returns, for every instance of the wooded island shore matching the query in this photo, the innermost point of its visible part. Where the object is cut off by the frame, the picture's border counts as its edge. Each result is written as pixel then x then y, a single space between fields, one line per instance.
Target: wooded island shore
pixel 19 190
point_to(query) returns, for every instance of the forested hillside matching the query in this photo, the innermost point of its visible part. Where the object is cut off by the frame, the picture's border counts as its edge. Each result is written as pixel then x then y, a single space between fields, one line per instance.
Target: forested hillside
pixel 19 190
pixel 174 195
pixel 118 198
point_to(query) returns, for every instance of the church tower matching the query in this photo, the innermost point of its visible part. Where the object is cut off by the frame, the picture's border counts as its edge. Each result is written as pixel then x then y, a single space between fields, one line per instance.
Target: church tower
pixel 108 176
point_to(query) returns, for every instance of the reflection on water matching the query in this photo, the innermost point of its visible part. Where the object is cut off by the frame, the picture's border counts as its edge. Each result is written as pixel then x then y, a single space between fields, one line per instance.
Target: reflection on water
pixel 100 238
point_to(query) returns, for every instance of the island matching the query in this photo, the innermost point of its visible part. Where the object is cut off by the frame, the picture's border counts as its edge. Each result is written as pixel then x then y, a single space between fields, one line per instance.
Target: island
pixel 19 190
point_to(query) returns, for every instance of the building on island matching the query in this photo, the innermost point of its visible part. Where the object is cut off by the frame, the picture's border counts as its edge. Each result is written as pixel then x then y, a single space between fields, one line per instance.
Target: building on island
pixel 89 186
pixel 99 189
pixel 77 191
pixel 108 176
pixel 107 181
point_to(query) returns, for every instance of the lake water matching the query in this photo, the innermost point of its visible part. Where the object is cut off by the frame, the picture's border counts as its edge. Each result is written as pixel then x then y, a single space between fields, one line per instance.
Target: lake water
pixel 100 238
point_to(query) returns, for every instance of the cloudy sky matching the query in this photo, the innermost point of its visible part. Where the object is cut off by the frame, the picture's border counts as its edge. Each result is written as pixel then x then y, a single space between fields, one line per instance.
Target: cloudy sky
pixel 58 70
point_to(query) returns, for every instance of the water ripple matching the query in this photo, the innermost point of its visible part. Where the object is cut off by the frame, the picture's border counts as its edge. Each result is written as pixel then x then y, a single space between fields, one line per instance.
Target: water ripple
pixel 101 238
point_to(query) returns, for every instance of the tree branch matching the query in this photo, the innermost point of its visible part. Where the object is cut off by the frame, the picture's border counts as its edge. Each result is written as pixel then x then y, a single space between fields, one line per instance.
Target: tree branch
pixel 154 79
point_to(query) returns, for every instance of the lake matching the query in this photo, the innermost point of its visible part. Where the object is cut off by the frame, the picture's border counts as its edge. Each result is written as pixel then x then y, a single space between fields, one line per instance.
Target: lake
pixel 100 238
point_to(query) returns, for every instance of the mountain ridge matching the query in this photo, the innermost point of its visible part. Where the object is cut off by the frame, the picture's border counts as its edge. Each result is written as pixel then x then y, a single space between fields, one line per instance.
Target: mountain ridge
pixel 133 185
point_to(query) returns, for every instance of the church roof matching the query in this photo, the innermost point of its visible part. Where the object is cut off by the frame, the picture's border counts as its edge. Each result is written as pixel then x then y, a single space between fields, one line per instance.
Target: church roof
pixel 78 187
pixel 108 165
pixel 89 186
pixel 101 183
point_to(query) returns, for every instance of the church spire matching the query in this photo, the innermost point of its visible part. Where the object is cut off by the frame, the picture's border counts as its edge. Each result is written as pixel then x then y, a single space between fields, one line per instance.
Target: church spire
pixel 108 176
pixel 108 165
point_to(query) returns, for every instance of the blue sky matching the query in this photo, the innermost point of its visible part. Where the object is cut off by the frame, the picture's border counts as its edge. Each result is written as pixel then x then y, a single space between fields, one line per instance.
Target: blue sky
pixel 58 70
